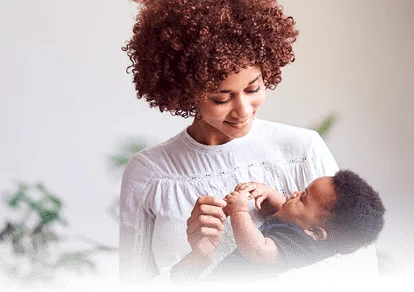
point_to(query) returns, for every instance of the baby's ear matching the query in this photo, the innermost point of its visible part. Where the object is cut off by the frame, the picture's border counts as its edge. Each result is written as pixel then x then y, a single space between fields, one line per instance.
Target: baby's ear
pixel 316 232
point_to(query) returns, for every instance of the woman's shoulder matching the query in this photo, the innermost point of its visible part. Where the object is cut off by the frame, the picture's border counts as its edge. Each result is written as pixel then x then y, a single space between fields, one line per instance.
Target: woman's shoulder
pixel 284 134
pixel 150 159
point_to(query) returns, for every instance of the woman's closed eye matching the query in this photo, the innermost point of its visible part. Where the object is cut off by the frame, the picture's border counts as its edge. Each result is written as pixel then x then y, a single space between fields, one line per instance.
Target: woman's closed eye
pixel 221 101
pixel 248 91
pixel 254 90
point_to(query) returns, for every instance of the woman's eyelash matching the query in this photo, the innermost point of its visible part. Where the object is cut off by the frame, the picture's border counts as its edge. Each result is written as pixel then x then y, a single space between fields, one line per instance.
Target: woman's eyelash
pixel 221 102
pixel 256 90
pixel 226 101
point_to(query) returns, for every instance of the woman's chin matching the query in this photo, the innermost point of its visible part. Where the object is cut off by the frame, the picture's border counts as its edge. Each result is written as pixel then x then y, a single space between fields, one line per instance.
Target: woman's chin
pixel 238 131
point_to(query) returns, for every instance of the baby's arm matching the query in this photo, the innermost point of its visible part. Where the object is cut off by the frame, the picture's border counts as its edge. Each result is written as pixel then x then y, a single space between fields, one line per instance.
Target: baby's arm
pixel 252 244
pixel 267 200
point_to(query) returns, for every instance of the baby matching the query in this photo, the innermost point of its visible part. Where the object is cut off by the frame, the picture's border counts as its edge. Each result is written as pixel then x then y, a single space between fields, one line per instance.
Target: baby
pixel 338 214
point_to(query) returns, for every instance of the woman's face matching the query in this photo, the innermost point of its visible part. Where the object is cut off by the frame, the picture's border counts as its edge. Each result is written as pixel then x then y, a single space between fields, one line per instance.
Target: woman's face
pixel 228 113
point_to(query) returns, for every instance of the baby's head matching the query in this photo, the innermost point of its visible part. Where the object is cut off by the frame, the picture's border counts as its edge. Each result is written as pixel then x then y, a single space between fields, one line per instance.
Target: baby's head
pixel 343 211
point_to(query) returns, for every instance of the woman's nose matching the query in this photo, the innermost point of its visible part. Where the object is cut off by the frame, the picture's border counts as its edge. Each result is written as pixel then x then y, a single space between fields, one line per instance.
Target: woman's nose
pixel 243 108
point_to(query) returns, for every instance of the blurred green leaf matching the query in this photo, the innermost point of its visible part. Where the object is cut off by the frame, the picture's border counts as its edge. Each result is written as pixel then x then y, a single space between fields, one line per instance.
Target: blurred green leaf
pixel 323 128
pixel 16 198
pixel 32 235
pixel 57 203
pixel 40 187
pixel 127 149
pixel 48 216
pixel 35 206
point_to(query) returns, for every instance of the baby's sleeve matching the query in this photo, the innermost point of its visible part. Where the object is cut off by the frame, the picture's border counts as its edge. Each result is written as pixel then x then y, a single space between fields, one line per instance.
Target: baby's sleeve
pixel 136 259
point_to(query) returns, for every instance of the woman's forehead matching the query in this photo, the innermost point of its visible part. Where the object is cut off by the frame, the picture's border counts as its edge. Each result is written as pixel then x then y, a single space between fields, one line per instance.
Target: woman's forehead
pixel 244 78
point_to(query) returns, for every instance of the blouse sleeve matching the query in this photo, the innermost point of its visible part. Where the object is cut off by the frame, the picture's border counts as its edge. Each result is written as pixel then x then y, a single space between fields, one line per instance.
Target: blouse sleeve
pixel 322 158
pixel 136 259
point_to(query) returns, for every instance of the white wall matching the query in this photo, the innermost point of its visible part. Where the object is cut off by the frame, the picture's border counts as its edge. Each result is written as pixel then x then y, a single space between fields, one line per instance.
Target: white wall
pixel 355 59
pixel 66 102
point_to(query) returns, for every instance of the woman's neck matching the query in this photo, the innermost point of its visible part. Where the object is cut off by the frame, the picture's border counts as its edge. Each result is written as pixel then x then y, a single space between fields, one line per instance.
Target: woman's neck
pixel 205 134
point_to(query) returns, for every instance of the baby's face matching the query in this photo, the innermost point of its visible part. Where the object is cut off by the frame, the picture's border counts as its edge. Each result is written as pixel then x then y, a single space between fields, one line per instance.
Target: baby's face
pixel 310 207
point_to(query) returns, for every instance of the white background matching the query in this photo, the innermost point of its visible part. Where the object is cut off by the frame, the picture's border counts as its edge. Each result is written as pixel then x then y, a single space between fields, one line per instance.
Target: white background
pixel 66 103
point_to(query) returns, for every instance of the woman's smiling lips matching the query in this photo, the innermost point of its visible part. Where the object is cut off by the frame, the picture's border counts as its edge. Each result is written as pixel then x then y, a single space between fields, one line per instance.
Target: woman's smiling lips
pixel 238 124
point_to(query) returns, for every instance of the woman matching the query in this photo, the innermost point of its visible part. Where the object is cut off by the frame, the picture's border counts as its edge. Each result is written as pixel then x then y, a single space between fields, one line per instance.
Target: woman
pixel 211 60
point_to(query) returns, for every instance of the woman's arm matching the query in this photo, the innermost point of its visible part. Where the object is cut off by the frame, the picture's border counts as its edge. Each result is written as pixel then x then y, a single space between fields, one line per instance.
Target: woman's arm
pixel 136 259
pixel 204 233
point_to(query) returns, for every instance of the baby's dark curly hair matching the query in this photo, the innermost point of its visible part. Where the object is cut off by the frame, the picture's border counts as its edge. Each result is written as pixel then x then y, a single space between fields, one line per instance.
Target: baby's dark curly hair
pixel 182 49
pixel 357 216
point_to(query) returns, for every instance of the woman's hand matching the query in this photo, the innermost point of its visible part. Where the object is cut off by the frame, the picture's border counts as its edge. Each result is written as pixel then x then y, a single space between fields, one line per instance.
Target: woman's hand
pixel 205 226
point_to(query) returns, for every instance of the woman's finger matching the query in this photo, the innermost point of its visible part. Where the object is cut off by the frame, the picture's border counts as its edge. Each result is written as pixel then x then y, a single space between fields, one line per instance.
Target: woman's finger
pixel 210 200
pixel 207 210
pixel 205 221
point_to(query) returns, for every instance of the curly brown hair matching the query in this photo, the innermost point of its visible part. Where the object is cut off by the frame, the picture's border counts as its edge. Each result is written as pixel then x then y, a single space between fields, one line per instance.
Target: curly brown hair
pixel 182 49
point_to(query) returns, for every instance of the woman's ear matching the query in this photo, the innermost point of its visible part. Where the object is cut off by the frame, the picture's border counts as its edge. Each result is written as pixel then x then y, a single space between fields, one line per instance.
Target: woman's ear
pixel 317 233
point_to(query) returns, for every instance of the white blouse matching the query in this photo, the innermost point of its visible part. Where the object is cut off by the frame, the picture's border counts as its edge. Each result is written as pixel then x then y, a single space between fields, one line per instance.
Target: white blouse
pixel 161 184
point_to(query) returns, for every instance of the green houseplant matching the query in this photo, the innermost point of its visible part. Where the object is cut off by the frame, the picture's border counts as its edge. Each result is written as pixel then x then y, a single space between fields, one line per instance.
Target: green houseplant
pixel 33 241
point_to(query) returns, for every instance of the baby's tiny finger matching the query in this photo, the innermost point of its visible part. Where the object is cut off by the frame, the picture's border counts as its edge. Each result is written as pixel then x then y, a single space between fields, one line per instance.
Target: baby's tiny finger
pixel 259 203
pixel 240 186
pixel 254 193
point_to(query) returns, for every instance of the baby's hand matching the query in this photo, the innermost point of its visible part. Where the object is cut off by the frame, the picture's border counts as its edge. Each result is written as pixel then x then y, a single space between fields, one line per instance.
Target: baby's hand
pixel 257 191
pixel 236 202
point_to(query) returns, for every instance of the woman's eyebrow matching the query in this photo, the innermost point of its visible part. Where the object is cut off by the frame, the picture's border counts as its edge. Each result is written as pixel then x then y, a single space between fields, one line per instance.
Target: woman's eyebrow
pixel 251 82
pixel 255 79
